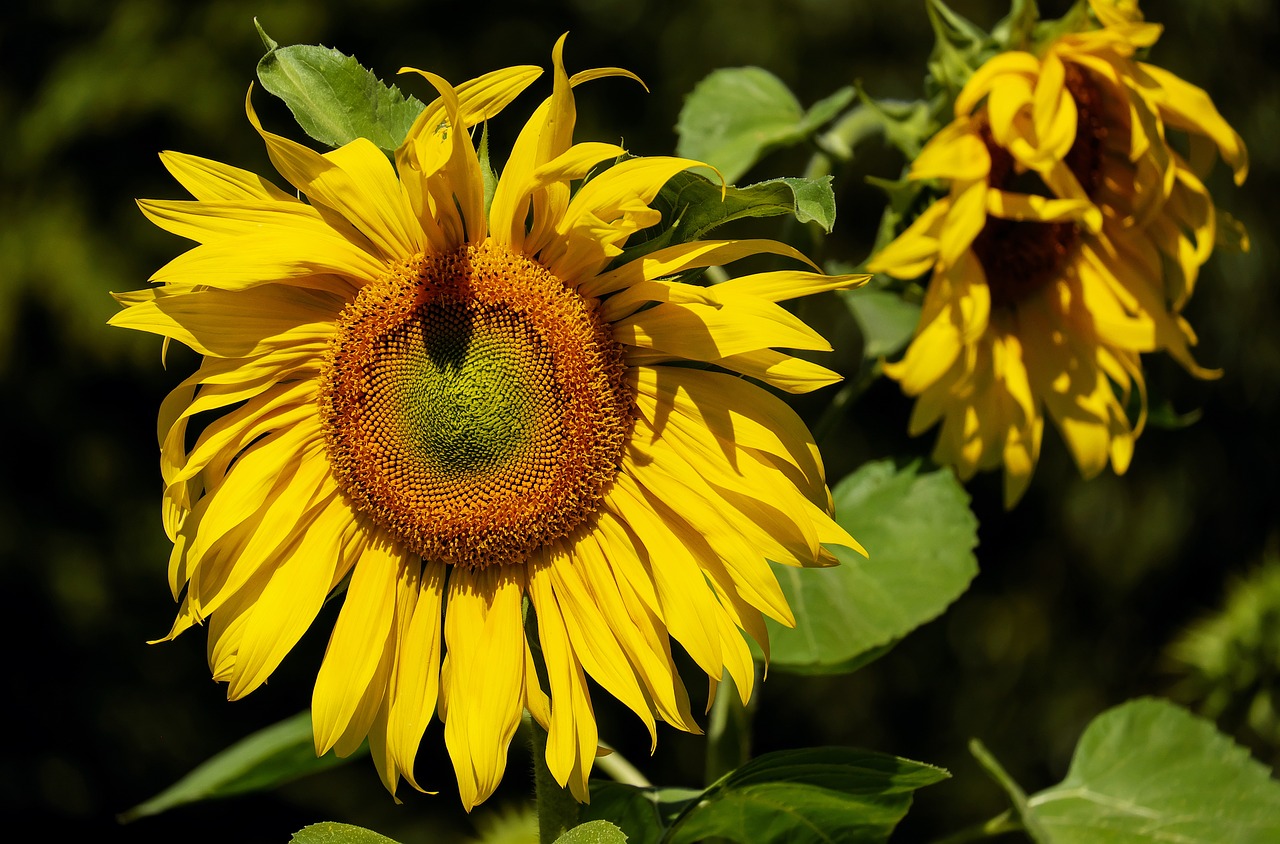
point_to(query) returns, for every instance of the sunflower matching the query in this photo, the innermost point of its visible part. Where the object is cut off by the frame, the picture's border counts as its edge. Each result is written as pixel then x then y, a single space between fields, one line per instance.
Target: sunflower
pixel 1072 231
pixel 451 409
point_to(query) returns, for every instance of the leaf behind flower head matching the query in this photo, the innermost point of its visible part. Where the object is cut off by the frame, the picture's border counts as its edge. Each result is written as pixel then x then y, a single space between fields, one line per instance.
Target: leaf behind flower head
pixel 334 99
pixel 283 752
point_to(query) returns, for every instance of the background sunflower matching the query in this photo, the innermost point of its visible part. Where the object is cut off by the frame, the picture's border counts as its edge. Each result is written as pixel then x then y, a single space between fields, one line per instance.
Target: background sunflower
pixel 1082 586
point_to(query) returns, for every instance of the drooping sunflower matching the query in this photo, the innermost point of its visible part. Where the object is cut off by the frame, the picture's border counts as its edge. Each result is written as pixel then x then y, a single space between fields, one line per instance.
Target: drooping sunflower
pixel 1075 223
pixel 448 409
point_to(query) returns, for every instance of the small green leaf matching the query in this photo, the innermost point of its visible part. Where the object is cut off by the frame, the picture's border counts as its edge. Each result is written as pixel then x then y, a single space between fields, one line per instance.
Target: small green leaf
pixel 593 832
pixel 333 98
pixel 270 757
pixel 1149 771
pixel 736 115
pixel 692 206
pixel 338 833
pixel 919 535
pixel 886 319
pixel 811 795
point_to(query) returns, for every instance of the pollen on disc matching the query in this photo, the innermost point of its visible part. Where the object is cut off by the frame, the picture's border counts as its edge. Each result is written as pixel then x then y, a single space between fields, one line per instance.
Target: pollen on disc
pixel 474 405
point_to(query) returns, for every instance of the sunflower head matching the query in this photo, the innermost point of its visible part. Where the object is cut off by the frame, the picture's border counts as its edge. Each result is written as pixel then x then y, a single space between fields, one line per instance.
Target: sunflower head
pixel 459 404
pixel 1071 230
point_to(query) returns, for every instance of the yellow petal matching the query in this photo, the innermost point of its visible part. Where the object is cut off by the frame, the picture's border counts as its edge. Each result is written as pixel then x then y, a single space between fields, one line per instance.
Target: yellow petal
pixel 483 631
pixel 356 646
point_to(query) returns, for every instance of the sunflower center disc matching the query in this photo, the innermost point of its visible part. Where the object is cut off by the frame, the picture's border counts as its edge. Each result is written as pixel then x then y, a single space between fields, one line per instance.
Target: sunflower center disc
pixel 1021 257
pixel 474 405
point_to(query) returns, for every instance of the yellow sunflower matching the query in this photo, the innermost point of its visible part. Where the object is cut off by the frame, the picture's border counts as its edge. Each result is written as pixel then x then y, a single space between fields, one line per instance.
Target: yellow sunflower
pixel 1075 223
pixel 449 409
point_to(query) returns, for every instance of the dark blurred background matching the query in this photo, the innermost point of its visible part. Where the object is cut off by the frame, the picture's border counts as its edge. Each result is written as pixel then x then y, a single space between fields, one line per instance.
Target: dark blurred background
pixel 1082 588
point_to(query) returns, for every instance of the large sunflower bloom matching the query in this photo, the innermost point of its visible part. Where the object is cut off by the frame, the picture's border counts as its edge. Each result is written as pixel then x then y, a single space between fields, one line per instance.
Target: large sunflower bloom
pixel 1070 237
pixel 449 409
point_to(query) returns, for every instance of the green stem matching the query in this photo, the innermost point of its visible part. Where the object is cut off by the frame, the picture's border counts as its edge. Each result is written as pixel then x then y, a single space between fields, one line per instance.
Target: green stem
pixel 557 809
pixel 729 730
pixel 999 825
pixel 619 769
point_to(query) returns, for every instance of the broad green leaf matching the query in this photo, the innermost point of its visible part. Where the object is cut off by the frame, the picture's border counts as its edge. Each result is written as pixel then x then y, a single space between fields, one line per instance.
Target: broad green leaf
pixel 593 832
pixel 333 98
pixel 735 115
pixel 644 814
pixel 338 833
pixel 886 319
pixel 919 535
pixel 692 206
pixel 270 757
pixel 811 795
pixel 1149 771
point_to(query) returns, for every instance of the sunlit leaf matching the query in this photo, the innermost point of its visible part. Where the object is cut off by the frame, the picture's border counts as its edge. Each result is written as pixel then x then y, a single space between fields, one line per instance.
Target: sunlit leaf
pixel 593 832
pixel 338 833
pixel 1149 771
pixel 692 206
pixel 736 115
pixel 334 99
pixel 270 757
pixel 811 795
pixel 919 534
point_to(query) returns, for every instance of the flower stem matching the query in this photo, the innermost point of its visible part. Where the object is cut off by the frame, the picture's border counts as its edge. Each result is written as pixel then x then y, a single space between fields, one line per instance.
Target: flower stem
pixel 619 769
pixel 557 809
pixel 729 730
pixel 999 825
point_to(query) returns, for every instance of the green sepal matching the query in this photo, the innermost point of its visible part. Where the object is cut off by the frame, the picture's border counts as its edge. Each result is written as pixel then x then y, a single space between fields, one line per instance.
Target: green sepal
pixel 960 47
pixel 488 175
pixel 734 116
pixel 905 125
pixel 283 752
pixel 334 99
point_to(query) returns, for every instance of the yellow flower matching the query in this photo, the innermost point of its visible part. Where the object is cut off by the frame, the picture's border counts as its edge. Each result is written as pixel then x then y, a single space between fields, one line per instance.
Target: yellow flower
pixel 449 409
pixel 1070 237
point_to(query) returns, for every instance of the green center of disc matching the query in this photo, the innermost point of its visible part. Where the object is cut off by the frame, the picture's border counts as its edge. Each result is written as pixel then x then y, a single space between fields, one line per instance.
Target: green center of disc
pixel 464 391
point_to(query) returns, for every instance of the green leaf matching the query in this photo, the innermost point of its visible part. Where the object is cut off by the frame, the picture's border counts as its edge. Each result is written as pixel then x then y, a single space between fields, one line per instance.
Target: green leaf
pixel 1149 771
pixel 736 115
pixel 338 833
pixel 693 205
pixel 919 535
pixel 810 795
pixel 886 320
pixel 593 832
pixel 270 757
pixel 333 98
